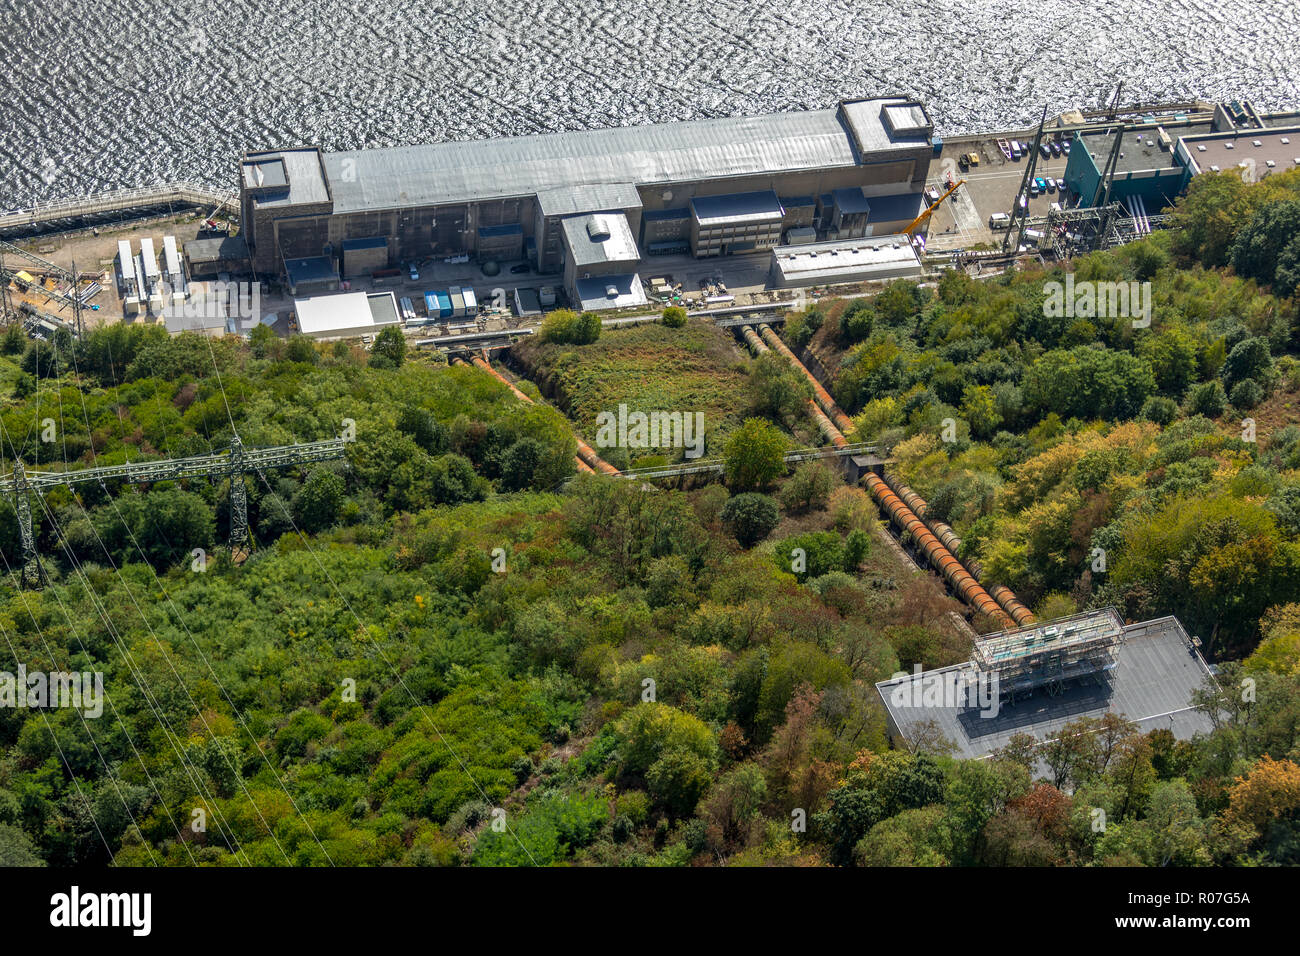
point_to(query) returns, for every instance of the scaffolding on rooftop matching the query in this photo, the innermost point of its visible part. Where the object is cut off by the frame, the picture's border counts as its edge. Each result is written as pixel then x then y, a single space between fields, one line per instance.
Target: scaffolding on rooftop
pixel 1047 654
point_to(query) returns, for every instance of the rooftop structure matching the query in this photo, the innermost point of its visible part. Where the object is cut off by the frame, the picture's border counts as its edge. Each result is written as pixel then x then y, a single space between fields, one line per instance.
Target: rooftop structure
pixel 1261 151
pixel 599 238
pixel 617 291
pixel 1150 683
pixel 1050 654
pixel 849 260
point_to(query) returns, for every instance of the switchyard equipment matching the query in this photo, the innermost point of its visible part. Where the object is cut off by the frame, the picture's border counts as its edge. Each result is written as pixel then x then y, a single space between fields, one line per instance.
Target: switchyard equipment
pixel 233 465
pixel 1049 654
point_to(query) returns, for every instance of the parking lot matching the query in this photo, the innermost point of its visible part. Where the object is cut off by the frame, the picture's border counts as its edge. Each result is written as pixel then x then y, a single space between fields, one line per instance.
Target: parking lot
pixel 990 188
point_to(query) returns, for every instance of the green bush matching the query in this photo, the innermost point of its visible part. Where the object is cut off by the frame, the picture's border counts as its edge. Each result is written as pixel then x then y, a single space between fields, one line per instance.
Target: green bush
pixel 1159 410
pixel 1207 399
pixel 755 455
pixel 566 327
pixel 674 317
pixel 809 488
pixel 1246 394
pixel 750 517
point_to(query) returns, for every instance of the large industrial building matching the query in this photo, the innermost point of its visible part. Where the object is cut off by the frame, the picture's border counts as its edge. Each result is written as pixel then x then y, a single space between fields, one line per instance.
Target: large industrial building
pixel 590 206
pixel 1037 679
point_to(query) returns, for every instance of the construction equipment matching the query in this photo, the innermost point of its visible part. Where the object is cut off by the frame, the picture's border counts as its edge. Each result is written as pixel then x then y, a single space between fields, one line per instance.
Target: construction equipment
pixel 921 219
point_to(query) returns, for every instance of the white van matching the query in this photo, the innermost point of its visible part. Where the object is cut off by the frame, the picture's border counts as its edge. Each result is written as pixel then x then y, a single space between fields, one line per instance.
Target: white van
pixel 1034 237
pixel 999 220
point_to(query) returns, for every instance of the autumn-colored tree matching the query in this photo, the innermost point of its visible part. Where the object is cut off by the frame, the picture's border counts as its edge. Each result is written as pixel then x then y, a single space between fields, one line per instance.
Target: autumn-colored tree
pixel 1269 792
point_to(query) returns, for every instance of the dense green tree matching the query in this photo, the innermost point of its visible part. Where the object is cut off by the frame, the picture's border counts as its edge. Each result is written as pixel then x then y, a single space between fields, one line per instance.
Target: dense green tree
pixel 755 455
pixel 1260 243
pixel 389 349
pixel 750 517
pixel 319 502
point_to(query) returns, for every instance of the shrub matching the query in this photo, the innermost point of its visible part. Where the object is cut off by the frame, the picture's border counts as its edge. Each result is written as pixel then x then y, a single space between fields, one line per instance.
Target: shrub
pixel 567 327
pixel 1159 410
pixel 1207 399
pixel 750 517
pixel 809 488
pixel 674 317
pixel 755 454
pixel 811 555
pixel 1247 393
pixel 389 350
pixel 800 327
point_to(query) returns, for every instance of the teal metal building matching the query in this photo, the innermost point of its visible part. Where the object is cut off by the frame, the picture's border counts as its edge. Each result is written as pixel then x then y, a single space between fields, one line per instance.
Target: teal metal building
pixel 1148 165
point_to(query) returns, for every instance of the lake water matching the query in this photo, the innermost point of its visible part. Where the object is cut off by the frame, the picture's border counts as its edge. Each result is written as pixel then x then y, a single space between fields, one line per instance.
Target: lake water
pixel 124 93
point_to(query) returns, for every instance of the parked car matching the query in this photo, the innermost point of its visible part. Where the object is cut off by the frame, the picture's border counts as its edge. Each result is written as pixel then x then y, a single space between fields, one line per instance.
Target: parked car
pixel 415 275
pixel 1041 183
pixel 1065 147
pixel 1045 150
pixel 1060 185
pixel 999 220
pixel 1015 149
pixel 1056 148
pixel 1051 185
pixel 520 269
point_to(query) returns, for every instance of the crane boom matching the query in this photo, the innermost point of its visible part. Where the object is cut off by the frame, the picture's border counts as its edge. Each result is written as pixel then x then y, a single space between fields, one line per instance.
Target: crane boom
pixel 920 220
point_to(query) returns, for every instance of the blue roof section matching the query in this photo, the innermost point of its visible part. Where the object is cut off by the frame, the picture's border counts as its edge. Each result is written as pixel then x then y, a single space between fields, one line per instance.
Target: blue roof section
pixel 851 200
pixel 312 269
pixel 437 303
pixel 658 215
pixel 895 208
pixel 506 229
pixel 738 207
pixel 370 242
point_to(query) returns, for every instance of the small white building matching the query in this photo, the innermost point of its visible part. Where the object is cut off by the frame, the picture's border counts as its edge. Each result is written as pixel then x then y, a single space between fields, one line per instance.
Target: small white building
pixel 174 271
pixel 347 315
pixel 867 259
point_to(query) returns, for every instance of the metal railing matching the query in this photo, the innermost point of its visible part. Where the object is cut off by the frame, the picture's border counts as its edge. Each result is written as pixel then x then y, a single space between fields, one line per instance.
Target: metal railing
pixel 184 193
pixel 717 464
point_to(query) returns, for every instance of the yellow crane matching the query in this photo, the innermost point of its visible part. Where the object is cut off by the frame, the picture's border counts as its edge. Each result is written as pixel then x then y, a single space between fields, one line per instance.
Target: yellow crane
pixel 920 220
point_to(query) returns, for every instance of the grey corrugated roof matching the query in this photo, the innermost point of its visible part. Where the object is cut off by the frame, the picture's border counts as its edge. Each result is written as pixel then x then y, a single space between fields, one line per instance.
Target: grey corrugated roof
pixel 644 155
pixel 1151 685
pixel 596 197
pixel 583 238
pixel 593 294
pixel 847 260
